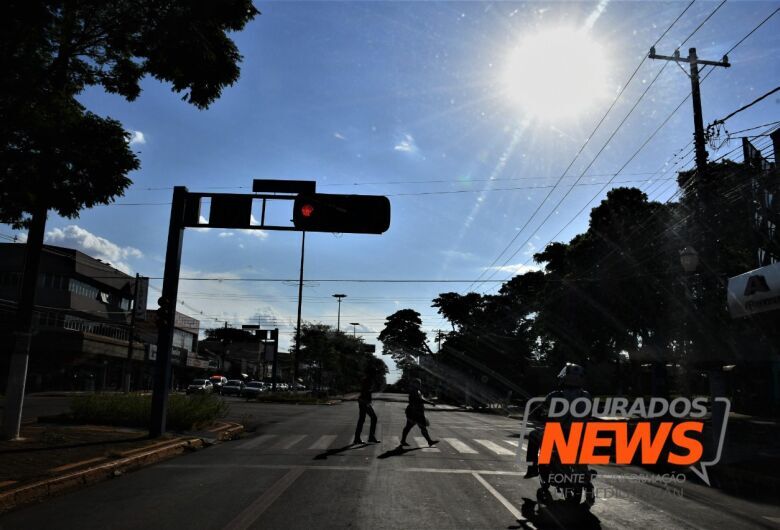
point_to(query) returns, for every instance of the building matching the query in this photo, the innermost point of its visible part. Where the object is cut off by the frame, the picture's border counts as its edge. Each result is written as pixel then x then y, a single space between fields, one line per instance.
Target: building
pixel 81 323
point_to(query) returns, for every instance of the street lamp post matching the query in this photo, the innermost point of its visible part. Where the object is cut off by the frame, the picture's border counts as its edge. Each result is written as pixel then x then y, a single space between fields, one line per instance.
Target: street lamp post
pixel 354 328
pixel 338 319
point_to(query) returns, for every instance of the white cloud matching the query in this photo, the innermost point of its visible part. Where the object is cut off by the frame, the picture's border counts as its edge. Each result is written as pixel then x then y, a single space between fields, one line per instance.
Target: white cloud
pixel 93 245
pixel 226 234
pixel 137 138
pixel 516 269
pixel 406 145
pixel 339 136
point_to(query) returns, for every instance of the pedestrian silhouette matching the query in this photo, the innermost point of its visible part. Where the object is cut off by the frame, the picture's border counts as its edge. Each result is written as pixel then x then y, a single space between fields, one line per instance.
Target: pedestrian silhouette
pixel 415 413
pixel 365 408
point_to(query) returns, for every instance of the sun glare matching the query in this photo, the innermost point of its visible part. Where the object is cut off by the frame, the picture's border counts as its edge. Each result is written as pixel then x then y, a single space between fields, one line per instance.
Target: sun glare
pixel 556 75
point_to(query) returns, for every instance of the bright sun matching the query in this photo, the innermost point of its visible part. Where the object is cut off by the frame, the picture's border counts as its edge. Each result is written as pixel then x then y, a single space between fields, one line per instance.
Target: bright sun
pixel 556 74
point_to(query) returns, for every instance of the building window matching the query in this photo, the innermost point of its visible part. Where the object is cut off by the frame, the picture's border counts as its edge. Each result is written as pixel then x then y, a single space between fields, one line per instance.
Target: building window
pixel 83 289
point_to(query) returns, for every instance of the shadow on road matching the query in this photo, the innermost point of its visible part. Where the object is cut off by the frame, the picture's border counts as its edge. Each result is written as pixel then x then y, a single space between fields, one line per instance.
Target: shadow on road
pixel 398 451
pixel 333 452
pixel 557 514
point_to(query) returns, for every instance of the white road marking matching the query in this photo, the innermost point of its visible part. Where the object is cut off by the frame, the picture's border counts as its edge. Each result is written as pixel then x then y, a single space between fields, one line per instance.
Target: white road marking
pixel 289 441
pixel 422 442
pixel 460 446
pixel 495 447
pixel 252 513
pixel 515 443
pixel 256 441
pixel 323 442
pixel 345 468
pixel 508 505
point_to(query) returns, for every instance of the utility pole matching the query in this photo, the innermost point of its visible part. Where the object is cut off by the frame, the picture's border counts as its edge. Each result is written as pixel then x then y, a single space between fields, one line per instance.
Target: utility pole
pixel 704 189
pixel 698 121
pixel 129 360
pixel 439 334
pixel 354 328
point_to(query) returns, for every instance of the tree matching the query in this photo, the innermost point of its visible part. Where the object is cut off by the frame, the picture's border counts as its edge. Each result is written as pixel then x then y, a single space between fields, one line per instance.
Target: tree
pixel 403 338
pixel 57 155
pixel 341 360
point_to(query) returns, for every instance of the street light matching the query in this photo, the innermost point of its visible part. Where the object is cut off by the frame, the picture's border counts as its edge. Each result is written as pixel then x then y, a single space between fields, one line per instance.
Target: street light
pixel 338 321
pixel 354 328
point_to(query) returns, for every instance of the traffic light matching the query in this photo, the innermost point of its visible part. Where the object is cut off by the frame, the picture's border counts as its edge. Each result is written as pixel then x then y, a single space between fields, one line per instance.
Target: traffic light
pixel 164 317
pixel 347 214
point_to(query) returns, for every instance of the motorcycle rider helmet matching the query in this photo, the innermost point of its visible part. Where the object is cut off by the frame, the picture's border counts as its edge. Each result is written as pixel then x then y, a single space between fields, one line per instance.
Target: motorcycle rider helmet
pixel 572 375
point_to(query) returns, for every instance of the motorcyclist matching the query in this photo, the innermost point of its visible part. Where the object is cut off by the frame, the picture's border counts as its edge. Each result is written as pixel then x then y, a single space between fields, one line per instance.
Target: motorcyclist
pixel 570 382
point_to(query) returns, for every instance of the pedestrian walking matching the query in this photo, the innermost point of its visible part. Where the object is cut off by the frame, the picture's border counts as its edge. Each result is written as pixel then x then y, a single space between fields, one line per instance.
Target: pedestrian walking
pixel 365 408
pixel 415 413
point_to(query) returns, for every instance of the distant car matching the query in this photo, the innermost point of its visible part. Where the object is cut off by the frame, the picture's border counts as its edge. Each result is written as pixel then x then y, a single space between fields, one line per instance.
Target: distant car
pixel 300 387
pixel 218 381
pixel 234 387
pixel 200 386
pixel 254 389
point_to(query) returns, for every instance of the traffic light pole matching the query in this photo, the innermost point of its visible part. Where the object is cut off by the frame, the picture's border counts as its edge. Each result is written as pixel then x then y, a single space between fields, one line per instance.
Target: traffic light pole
pixel 167 313
pixel 300 303
pixel 312 212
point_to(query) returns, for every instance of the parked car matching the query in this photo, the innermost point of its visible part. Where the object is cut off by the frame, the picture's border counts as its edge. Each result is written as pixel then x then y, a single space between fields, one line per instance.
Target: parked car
pixel 218 381
pixel 200 386
pixel 254 389
pixel 234 387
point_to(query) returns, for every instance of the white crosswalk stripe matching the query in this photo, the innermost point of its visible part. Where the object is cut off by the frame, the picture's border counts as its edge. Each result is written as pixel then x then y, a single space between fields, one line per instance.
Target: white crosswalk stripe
pixel 422 442
pixel 323 442
pixel 495 447
pixel 257 441
pixel 460 446
pixel 288 441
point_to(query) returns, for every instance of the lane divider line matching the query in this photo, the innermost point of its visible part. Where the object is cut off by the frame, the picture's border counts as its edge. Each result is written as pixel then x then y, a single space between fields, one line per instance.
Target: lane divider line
pixel 508 505
pixel 253 512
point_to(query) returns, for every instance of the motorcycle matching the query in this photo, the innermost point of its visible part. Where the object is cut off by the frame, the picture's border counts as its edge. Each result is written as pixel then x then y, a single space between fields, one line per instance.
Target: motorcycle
pixel 569 480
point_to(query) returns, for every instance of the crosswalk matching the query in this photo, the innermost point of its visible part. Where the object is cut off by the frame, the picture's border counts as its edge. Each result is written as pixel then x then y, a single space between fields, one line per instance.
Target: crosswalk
pixel 326 442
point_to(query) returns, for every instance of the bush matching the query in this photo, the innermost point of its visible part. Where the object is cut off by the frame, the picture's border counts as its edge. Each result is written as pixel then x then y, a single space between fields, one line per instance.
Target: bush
pixel 132 410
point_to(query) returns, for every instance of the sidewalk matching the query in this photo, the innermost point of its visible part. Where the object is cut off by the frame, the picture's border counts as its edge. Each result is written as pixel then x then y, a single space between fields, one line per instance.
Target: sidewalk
pixel 50 459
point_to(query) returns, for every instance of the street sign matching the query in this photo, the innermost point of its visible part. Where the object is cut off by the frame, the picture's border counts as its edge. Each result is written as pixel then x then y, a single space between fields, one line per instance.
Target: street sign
pixel 284 186
pixel 756 291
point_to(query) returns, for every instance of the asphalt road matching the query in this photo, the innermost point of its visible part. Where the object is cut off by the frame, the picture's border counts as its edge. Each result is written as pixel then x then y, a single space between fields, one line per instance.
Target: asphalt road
pixel 296 469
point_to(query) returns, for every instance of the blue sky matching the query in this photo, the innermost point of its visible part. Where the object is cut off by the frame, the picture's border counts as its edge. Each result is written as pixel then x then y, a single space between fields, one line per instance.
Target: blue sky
pixel 408 100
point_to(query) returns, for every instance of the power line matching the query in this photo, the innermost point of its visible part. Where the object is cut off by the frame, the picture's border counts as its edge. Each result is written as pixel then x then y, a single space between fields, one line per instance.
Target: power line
pixel 598 125
pixel 663 123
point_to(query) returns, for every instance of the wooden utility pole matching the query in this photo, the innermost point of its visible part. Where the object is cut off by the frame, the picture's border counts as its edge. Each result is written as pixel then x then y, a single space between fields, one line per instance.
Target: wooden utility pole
pixel 698 121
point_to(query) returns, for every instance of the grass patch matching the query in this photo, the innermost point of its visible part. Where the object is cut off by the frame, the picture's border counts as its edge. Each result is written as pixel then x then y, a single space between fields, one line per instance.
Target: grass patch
pixel 133 410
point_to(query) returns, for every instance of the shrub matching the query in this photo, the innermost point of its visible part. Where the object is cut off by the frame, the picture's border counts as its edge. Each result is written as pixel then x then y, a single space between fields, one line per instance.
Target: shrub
pixel 133 410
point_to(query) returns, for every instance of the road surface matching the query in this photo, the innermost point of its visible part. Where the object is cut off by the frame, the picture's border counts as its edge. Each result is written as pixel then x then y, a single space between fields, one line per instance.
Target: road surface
pixel 296 469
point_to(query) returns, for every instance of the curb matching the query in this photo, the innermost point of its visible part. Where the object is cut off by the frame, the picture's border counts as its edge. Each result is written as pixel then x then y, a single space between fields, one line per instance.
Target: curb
pixel 227 430
pixel 129 461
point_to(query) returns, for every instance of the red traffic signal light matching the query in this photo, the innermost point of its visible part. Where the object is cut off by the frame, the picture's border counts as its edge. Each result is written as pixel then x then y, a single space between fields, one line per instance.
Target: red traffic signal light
pixel 347 214
pixel 307 210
